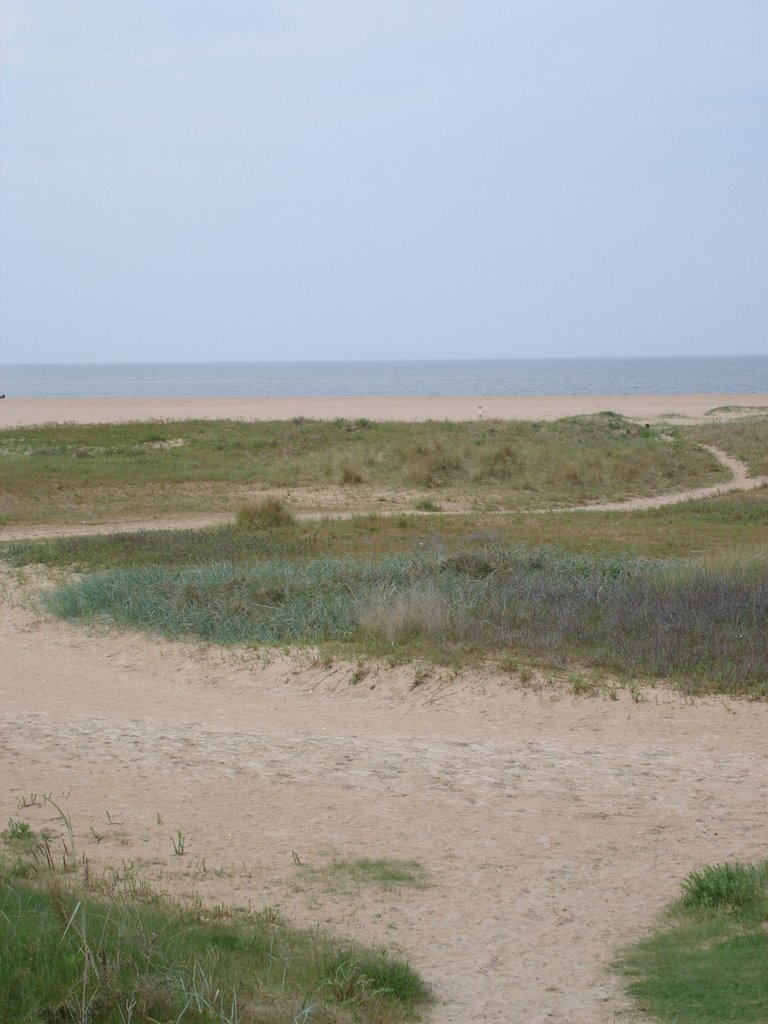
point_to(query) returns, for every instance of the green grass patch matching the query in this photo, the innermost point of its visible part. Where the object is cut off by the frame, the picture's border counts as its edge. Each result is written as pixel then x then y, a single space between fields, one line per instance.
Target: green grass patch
pixel 383 872
pixel 68 954
pixel 70 473
pixel 727 887
pixel 706 965
pixel 701 623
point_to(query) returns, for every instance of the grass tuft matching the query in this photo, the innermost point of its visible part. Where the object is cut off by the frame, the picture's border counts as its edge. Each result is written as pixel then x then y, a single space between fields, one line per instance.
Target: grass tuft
pixel 264 514
pixel 731 886
pixel 382 871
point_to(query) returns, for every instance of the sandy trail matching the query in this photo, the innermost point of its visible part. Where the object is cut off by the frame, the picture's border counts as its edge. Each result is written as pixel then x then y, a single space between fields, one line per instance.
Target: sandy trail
pixel 552 829
pixel 740 481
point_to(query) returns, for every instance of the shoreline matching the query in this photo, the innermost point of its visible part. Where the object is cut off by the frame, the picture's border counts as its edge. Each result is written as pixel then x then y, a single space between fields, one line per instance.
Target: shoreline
pixel 690 408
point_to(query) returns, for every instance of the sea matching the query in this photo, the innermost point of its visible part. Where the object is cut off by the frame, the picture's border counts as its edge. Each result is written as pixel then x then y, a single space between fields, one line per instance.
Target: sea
pixel 604 376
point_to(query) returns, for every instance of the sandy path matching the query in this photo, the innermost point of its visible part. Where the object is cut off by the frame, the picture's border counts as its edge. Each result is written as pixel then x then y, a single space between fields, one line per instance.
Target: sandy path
pixel 691 408
pixel 740 481
pixel 552 828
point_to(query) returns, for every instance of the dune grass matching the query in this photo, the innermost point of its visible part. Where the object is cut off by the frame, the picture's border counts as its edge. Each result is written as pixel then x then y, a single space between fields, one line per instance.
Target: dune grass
pixel 72 473
pixel 74 950
pixel 746 439
pixel 700 623
pixel 706 965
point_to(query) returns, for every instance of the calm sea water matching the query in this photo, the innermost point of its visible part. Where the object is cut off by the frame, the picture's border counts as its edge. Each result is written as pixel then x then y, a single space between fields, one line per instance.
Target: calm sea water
pixel 748 374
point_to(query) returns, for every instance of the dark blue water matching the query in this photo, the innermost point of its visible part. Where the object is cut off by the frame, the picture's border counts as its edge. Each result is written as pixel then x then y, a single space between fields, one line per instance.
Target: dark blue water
pixel 747 374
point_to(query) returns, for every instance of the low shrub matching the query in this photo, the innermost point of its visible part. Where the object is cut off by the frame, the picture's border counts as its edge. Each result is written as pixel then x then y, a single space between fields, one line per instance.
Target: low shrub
pixel 264 514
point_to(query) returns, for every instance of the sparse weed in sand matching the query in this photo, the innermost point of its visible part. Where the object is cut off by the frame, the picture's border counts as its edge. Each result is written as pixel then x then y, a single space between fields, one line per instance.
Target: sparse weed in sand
pixel 108 950
pixel 509 663
pixel 18 829
pixel 32 800
pixel 426 505
pixel 706 964
pixel 382 871
pixel 581 686
pixel 359 674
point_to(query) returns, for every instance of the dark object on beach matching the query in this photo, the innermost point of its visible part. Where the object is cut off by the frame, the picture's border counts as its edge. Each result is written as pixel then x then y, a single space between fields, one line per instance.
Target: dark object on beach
pixel 2 396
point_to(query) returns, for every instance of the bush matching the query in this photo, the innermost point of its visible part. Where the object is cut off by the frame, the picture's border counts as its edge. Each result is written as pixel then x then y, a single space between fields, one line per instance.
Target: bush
pixel 350 475
pixel 264 514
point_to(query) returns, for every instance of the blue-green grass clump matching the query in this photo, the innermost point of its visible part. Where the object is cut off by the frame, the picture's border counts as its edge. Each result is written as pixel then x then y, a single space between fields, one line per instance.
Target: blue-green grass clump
pixel 701 623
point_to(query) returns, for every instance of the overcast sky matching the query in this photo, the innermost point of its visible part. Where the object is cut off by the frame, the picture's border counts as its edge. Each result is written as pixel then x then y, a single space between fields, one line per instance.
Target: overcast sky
pixel 362 179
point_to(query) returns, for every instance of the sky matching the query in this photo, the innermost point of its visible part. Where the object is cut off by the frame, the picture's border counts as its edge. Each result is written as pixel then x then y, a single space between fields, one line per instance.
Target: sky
pixel 372 179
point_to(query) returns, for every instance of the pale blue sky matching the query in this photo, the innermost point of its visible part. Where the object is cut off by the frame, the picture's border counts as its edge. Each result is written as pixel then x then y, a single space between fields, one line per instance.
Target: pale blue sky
pixel 342 179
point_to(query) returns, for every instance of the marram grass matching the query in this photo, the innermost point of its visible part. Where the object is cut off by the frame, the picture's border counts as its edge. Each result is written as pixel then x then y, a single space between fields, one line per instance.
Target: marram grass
pixel 702 624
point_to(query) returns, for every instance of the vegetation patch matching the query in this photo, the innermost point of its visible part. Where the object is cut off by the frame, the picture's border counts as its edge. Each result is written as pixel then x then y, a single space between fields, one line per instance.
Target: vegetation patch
pixel 706 965
pixel 382 872
pixel 264 514
pixel 729 522
pixel 77 473
pixel 73 951
pixel 746 439
pixel 701 623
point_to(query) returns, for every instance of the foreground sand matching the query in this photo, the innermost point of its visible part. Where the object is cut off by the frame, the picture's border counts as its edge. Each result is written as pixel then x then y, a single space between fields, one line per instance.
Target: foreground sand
pixel 693 408
pixel 552 828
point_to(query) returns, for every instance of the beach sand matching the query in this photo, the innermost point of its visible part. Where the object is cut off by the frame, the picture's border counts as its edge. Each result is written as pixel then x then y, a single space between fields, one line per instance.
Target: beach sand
pixel 651 408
